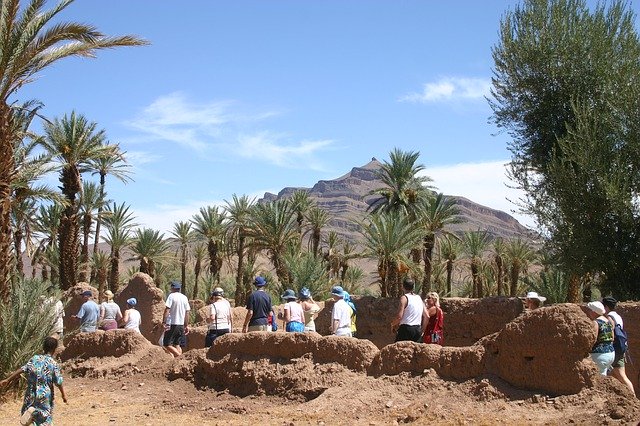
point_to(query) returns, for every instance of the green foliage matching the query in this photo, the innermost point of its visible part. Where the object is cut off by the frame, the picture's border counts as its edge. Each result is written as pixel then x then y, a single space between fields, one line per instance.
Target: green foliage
pixel 552 284
pixel 26 321
pixel 306 271
pixel 566 87
pixel 352 281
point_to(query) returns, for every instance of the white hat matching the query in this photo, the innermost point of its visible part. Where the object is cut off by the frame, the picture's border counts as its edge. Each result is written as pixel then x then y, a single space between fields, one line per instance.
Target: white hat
pixel 534 295
pixel 596 307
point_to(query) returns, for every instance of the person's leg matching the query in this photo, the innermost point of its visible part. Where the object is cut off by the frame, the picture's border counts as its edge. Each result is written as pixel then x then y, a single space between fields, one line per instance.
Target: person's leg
pixel 175 351
pixel 620 374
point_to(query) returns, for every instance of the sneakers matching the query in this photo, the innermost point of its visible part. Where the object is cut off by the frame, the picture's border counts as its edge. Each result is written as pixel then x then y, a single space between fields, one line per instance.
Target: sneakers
pixel 27 416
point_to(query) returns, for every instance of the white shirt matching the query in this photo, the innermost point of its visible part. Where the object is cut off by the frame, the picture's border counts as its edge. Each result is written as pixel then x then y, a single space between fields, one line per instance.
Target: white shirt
pixel 342 312
pixel 221 310
pixel 617 318
pixel 412 314
pixel 178 305
pixel 134 320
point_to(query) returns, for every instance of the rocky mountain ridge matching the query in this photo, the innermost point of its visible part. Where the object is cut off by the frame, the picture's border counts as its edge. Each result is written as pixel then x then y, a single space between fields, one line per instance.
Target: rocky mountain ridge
pixel 347 198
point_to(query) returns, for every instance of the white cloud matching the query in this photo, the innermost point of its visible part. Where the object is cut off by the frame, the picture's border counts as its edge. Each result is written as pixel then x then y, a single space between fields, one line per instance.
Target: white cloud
pixel 483 183
pixel 162 217
pixel 450 88
pixel 270 147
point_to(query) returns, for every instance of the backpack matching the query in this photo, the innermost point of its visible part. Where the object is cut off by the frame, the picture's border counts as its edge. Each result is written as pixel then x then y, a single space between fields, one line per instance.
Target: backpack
pixel 620 339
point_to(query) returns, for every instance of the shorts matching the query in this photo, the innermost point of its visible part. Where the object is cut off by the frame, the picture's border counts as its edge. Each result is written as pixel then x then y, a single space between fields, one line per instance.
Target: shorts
pixel 174 335
pixel 265 327
pixel 109 324
pixel 412 333
pixel 212 335
pixel 603 361
pixel 344 331
pixel 618 361
pixel 294 327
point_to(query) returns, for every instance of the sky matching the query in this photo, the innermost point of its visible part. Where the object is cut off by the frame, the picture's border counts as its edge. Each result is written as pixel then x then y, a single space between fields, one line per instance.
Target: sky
pixel 247 97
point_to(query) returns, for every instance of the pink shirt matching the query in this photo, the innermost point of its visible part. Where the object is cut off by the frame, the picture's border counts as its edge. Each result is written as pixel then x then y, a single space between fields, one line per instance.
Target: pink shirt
pixel 295 311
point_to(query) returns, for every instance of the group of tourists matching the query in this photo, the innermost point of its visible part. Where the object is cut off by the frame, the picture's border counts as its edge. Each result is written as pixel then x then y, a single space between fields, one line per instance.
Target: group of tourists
pixel 417 320
pixel 107 315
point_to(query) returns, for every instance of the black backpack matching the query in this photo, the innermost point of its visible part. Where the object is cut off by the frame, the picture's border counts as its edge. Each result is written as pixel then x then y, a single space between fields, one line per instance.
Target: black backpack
pixel 620 341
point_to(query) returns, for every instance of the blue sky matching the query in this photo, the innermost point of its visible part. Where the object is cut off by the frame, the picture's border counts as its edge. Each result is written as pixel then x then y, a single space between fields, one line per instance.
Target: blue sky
pixel 252 96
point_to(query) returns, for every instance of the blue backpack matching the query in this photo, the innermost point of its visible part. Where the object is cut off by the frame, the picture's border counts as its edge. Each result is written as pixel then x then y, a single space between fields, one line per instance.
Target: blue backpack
pixel 620 339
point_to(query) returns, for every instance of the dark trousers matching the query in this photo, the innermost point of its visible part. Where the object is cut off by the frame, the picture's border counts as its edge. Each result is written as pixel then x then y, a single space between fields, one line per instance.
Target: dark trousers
pixel 409 332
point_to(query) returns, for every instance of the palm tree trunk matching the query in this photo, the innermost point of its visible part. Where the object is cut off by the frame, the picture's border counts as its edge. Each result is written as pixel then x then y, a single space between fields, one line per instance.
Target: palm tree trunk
pixel 316 242
pixel 240 254
pixel 382 272
pixel 449 275
pixel 475 278
pixel 7 172
pixel 145 267
pixel 429 243
pixel 500 275
pixel 84 255
pixel 392 278
pixel 69 228
pixel 573 292
pixel 214 262
pixel 514 276
pixel 17 248
pixel 114 273
pixel 101 278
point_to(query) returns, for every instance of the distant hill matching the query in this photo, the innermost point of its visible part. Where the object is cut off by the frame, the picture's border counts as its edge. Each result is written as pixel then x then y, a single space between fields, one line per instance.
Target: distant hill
pixel 347 199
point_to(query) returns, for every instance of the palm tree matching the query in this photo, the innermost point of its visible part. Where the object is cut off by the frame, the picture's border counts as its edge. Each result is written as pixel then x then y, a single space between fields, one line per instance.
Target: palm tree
pixel 183 236
pixel 403 187
pixel 21 215
pixel 348 253
pixel 31 44
pixel 301 203
pixel 238 213
pixel 332 256
pixel 149 248
pixel 499 256
pixel 519 254
pixel 114 165
pixel 272 228
pixel 100 262
pixel 387 238
pixel 91 205
pixel 475 243
pixel 47 224
pixel 119 223
pixel 209 224
pixel 199 255
pixel 317 218
pixel 72 141
pixel 434 214
pixel 450 249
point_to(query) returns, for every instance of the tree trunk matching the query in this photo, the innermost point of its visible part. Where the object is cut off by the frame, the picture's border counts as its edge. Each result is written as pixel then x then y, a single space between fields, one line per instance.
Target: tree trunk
pixel 515 276
pixel 573 292
pixel 214 261
pixel 114 273
pixel 429 243
pixel 316 242
pixel 475 278
pixel 101 278
pixel 69 228
pixel 83 274
pixel 240 254
pixel 382 272
pixel 500 275
pixel 449 275
pixel 7 173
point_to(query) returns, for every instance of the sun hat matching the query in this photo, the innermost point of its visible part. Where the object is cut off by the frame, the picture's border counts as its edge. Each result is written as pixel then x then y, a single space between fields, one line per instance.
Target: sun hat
pixel 304 293
pixel 176 284
pixel 218 291
pixel 289 295
pixel 109 294
pixel 132 301
pixel 337 291
pixel 534 295
pixel 259 281
pixel 596 307
pixel 86 293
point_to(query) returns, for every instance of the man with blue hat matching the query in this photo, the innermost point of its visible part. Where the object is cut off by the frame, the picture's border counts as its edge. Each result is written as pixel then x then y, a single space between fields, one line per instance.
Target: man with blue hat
pixel 259 308
pixel 341 313
pixel 88 314
pixel 177 306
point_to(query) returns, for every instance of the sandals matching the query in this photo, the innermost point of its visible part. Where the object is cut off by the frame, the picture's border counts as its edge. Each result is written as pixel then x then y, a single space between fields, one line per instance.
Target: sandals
pixel 27 416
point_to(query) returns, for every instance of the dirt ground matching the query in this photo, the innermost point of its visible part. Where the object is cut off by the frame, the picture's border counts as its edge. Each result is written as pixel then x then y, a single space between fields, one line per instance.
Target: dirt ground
pixel 145 394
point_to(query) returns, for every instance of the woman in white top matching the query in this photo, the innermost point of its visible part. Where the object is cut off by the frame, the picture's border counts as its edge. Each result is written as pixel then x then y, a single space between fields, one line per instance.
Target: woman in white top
pixel 132 318
pixel 220 317
pixel 310 308
pixel 293 312
pixel 110 312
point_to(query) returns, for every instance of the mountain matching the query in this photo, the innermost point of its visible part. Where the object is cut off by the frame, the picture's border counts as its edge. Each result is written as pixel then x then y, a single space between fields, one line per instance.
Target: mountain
pixel 347 199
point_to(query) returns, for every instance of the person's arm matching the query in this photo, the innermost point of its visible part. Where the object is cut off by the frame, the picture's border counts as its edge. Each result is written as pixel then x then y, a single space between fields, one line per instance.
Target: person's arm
pixel 64 395
pixel 125 318
pixel 403 305
pixel 334 325
pixel 101 315
pixel 287 314
pixel 80 313
pixel 247 318
pixel 118 314
pixel 425 320
pixel 186 322
pixel 212 316
pixel 164 317
pixel 10 378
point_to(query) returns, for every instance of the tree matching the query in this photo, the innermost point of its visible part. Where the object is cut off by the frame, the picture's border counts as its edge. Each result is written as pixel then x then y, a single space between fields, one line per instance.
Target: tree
pixel 73 142
pixel 388 237
pixel 31 44
pixel 301 203
pixel 150 249
pixel 450 249
pixel 519 255
pixel 209 225
pixel 238 212
pixel 317 218
pixel 475 243
pixel 272 228
pixel 184 236
pixel 91 206
pixel 403 187
pixel 434 214
pixel 566 88
pixel 498 251
pixel 119 223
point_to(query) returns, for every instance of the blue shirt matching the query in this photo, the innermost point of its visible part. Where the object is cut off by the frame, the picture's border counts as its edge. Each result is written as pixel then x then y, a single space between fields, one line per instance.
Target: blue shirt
pixel 260 303
pixel 89 313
